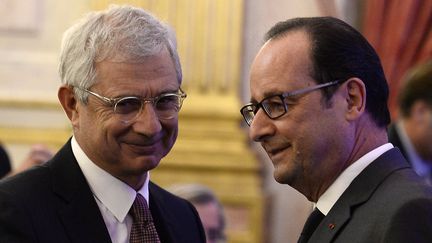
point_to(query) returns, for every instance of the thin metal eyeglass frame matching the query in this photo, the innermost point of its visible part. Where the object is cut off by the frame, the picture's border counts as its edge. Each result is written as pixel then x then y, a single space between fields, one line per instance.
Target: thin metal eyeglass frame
pixel 255 107
pixel 112 102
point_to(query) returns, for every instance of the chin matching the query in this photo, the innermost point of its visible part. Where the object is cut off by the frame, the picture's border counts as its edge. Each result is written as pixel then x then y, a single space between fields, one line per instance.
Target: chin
pixel 149 165
pixel 142 164
pixel 284 175
pixel 280 178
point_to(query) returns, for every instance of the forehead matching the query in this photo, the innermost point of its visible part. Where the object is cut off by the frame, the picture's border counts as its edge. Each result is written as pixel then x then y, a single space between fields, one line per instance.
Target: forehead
pixel 283 64
pixel 152 74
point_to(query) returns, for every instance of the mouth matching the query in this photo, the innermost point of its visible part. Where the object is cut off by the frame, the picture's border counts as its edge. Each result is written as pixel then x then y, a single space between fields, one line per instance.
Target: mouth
pixel 142 148
pixel 275 152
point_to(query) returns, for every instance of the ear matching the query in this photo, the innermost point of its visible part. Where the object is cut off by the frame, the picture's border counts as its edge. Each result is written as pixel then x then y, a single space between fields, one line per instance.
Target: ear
pixel 69 103
pixel 355 95
pixel 420 113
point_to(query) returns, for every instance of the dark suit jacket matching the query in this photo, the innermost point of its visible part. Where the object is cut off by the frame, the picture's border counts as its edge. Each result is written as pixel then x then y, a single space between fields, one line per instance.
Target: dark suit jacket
pixel 54 204
pixel 386 202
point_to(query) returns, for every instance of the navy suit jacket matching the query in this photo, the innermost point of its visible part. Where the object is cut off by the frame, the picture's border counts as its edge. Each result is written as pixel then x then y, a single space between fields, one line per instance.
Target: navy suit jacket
pixel 53 203
pixel 386 202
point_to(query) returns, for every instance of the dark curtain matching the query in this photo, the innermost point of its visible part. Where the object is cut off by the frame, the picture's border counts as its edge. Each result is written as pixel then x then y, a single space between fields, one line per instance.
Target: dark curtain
pixel 400 31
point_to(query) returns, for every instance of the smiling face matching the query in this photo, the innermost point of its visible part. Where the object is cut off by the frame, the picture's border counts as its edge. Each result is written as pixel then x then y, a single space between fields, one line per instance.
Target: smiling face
pixel 305 144
pixel 127 150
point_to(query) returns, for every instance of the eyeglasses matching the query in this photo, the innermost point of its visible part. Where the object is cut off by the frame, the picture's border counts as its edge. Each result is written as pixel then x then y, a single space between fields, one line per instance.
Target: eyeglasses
pixel 274 106
pixel 129 108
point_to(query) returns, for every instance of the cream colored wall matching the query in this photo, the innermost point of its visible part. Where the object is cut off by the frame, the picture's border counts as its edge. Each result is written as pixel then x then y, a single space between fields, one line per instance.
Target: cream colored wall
pixel 28 67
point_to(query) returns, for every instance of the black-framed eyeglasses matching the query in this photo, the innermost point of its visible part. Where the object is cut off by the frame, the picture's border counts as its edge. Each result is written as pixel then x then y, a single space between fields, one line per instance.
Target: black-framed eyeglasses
pixel 275 106
pixel 128 108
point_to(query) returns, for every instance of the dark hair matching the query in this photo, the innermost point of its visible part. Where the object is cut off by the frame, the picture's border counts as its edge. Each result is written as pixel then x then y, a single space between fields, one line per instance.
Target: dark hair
pixel 417 85
pixel 339 52
pixel 5 164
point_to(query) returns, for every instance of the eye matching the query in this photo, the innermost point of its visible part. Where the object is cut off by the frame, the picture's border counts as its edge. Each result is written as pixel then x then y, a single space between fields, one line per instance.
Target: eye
pixel 274 106
pixel 168 102
pixel 128 105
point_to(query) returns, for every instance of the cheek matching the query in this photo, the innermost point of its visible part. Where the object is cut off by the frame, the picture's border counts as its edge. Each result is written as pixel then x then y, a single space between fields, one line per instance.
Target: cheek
pixel 171 132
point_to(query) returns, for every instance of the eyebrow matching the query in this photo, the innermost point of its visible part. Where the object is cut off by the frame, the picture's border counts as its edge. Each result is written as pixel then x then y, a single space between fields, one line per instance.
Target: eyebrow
pixel 141 96
pixel 267 94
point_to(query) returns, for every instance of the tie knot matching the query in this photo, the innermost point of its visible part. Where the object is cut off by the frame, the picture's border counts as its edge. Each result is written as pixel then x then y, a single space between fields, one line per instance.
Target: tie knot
pixel 140 211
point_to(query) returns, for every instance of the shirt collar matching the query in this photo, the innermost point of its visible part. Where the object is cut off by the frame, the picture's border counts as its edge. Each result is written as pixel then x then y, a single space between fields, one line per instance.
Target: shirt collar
pixel 119 196
pixel 332 194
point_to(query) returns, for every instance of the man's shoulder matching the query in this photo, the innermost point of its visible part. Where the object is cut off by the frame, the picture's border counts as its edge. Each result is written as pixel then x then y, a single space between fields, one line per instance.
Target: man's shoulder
pixel 386 184
pixel 168 201
pixel 405 184
pixel 163 195
pixel 27 181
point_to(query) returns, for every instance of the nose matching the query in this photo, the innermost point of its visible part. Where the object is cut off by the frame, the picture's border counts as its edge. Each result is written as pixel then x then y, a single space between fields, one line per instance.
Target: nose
pixel 261 127
pixel 147 122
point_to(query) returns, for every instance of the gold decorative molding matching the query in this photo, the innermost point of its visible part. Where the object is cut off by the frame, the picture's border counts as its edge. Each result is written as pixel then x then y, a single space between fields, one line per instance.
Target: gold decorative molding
pixel 25 103
pixel 19 135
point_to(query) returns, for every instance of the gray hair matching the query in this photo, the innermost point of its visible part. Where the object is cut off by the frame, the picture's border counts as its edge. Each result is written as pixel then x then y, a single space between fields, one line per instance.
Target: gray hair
pixel 120 33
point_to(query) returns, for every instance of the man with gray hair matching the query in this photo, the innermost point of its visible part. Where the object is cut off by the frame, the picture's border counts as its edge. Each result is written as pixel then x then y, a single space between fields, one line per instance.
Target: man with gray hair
pixel 120 89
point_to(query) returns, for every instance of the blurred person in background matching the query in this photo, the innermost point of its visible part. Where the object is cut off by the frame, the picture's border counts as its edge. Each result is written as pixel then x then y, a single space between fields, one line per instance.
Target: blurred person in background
pixel 209 209
pixel 412 131
pixel 38 155
pixel 5 164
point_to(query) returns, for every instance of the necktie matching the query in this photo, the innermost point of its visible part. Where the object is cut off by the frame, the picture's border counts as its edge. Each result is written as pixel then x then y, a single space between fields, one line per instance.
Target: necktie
pixel 143 229
pixel 311 224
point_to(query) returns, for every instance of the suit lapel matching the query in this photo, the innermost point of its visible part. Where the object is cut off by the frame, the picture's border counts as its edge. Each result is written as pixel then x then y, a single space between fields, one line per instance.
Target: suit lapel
pixel 77 207
pixel 360 190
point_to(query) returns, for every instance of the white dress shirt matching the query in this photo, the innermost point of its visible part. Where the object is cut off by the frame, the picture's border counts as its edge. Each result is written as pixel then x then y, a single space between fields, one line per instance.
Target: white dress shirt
pixel 333 193
pixel 114 197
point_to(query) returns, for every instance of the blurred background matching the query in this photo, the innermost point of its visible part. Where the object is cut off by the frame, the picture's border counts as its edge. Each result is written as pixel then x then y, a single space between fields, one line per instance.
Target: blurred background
pixel 217 41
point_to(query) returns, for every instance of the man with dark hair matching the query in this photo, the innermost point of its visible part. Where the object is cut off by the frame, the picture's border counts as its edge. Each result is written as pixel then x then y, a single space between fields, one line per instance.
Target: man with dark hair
pixel 319 109
pixel 412 132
